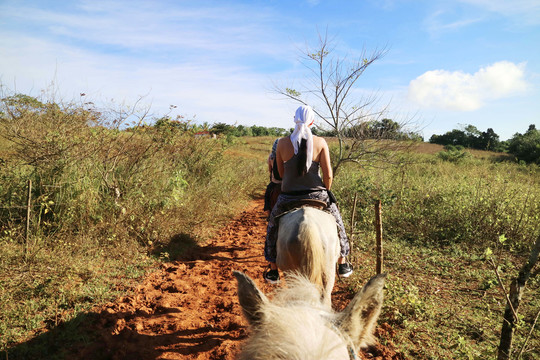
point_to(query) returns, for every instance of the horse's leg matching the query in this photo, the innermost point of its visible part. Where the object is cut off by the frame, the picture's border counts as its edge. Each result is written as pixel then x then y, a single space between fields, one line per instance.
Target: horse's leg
pixel 289 253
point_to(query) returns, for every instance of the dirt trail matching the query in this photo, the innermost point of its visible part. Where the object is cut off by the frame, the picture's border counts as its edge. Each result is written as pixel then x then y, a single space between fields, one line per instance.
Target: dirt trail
pixel 189 308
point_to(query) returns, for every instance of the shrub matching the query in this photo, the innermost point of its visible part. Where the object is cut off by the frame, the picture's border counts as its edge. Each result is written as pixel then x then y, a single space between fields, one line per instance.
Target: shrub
pixel 105 198
pixel 445 203
pixel 526 147
pixel 454 154
pixel 87 173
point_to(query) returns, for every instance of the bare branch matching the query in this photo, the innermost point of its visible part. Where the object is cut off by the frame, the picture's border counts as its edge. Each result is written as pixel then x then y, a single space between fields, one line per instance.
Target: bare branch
pixel 328 88
pixel 528 335
pixel 501 284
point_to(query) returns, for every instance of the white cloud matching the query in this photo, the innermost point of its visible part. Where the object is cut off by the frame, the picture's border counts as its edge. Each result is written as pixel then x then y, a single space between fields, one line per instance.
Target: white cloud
pixel 443 21
pixel 466 92
pixel 213 93
pixel 199 59
pixel 188 30
pixel 523 11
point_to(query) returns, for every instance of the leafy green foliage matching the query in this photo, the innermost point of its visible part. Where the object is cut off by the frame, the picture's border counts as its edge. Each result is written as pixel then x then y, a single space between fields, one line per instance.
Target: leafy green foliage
pixel 241 130
pixel 380 129
pixel 526 147
pixel 454 154
pixel 104 202
pixel 441 221
pixel 292 92
pixel 181 125
pixel 470 137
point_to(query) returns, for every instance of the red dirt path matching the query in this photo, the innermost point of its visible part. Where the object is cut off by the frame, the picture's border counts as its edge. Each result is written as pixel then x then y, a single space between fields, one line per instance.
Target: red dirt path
pixel 189 308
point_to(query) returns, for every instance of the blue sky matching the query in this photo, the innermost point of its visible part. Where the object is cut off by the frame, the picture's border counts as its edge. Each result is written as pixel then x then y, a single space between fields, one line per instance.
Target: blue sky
pixel 449 63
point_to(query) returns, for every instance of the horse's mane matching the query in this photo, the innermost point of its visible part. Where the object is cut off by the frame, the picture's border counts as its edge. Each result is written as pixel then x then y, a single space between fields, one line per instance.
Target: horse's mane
pixel 299 290
pixel 296 320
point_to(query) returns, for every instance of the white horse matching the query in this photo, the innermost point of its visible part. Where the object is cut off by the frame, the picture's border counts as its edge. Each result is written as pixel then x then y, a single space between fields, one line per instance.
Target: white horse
pixel 308 243
pixel 296 324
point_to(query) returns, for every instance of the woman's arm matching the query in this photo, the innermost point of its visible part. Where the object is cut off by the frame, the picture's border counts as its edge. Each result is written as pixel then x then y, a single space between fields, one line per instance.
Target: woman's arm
pixel 326 166
pixel 279 157
pixel 270 162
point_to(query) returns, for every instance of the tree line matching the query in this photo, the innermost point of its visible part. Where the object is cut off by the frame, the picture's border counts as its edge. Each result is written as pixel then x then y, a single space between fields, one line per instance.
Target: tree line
pixel 374 129
pixel 525 147
pixel 218 128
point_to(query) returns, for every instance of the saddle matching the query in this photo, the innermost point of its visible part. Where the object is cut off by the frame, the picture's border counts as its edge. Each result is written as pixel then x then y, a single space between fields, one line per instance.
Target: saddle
pixel 297 204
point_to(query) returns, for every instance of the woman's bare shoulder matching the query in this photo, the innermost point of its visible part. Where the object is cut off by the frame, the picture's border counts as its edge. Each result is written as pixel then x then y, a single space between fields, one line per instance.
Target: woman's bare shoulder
pixel 320 141
pixel 284 143
pixel 284 140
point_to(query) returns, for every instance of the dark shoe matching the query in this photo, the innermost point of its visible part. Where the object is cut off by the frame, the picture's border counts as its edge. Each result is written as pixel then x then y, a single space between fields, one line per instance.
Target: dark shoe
pixel 345 270
pixel 271 276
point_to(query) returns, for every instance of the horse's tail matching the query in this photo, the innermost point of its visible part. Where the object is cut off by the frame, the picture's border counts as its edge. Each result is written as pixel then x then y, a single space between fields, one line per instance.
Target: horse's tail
pixel 314 257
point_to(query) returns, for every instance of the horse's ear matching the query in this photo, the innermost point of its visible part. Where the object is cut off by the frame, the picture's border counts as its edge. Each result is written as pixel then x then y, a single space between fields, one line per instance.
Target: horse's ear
pixel 251 298
pixel 359 318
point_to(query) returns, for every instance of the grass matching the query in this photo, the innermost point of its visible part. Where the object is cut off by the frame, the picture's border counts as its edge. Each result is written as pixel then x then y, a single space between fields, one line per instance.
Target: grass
pixel 108 206
pixel 252 147
pixel 439 217
pixel 446 303
pixel 443 299
pixel 55 285
pixel 65 277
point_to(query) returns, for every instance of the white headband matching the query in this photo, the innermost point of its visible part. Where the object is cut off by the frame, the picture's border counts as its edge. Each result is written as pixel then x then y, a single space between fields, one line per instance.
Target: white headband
pixel 303 118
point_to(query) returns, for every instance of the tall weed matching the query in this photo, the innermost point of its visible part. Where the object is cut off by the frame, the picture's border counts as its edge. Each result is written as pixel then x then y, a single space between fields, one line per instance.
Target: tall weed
pixel 441 203
pixel 443 298
pixel 104 200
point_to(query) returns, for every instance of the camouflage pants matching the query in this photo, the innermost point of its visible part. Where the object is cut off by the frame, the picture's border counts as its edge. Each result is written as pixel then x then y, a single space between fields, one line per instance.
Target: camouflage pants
pixel 270 251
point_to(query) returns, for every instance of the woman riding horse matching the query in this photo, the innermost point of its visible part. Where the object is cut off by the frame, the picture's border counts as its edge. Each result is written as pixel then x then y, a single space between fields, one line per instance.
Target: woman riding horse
pixel 274 186
pixel 299 157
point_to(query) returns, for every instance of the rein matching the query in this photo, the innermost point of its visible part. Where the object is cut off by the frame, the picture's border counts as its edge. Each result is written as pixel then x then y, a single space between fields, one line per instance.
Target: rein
pixel 352 353
pixel 350 346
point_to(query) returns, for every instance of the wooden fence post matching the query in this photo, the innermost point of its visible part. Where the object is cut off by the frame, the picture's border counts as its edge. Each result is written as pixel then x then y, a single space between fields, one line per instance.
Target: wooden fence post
pixel 28 208
pixel 514 298
pixel 351 235
pixel 378 232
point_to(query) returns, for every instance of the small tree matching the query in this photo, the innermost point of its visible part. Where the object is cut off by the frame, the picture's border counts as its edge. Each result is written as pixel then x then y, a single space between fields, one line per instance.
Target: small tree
pixel 222 128
pixel 331 90
pixel 472 136
pixel 526 146
pixel 454 137
pixel 489 140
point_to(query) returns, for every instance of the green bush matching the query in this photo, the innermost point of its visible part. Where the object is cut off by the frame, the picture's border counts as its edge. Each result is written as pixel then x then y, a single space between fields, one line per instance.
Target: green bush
pixel 442 297
pixel 454 154
pixel 87 176
pixel 100 196
pixel 442 203
pixel 526 147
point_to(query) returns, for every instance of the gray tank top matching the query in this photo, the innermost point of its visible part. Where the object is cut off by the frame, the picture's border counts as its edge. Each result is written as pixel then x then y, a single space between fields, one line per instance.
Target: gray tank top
pixel 293 182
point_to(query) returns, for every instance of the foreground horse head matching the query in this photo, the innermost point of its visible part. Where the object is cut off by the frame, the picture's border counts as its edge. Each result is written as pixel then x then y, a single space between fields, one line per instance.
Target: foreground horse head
pixel 308 243
pixel 297 324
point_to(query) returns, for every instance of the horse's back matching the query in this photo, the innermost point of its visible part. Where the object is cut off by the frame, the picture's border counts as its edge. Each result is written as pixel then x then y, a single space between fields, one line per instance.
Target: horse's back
pixel 308 242
pixel 290 224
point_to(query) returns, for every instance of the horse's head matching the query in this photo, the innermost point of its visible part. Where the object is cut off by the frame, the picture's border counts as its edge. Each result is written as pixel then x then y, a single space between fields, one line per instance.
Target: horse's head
pixel 297 325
